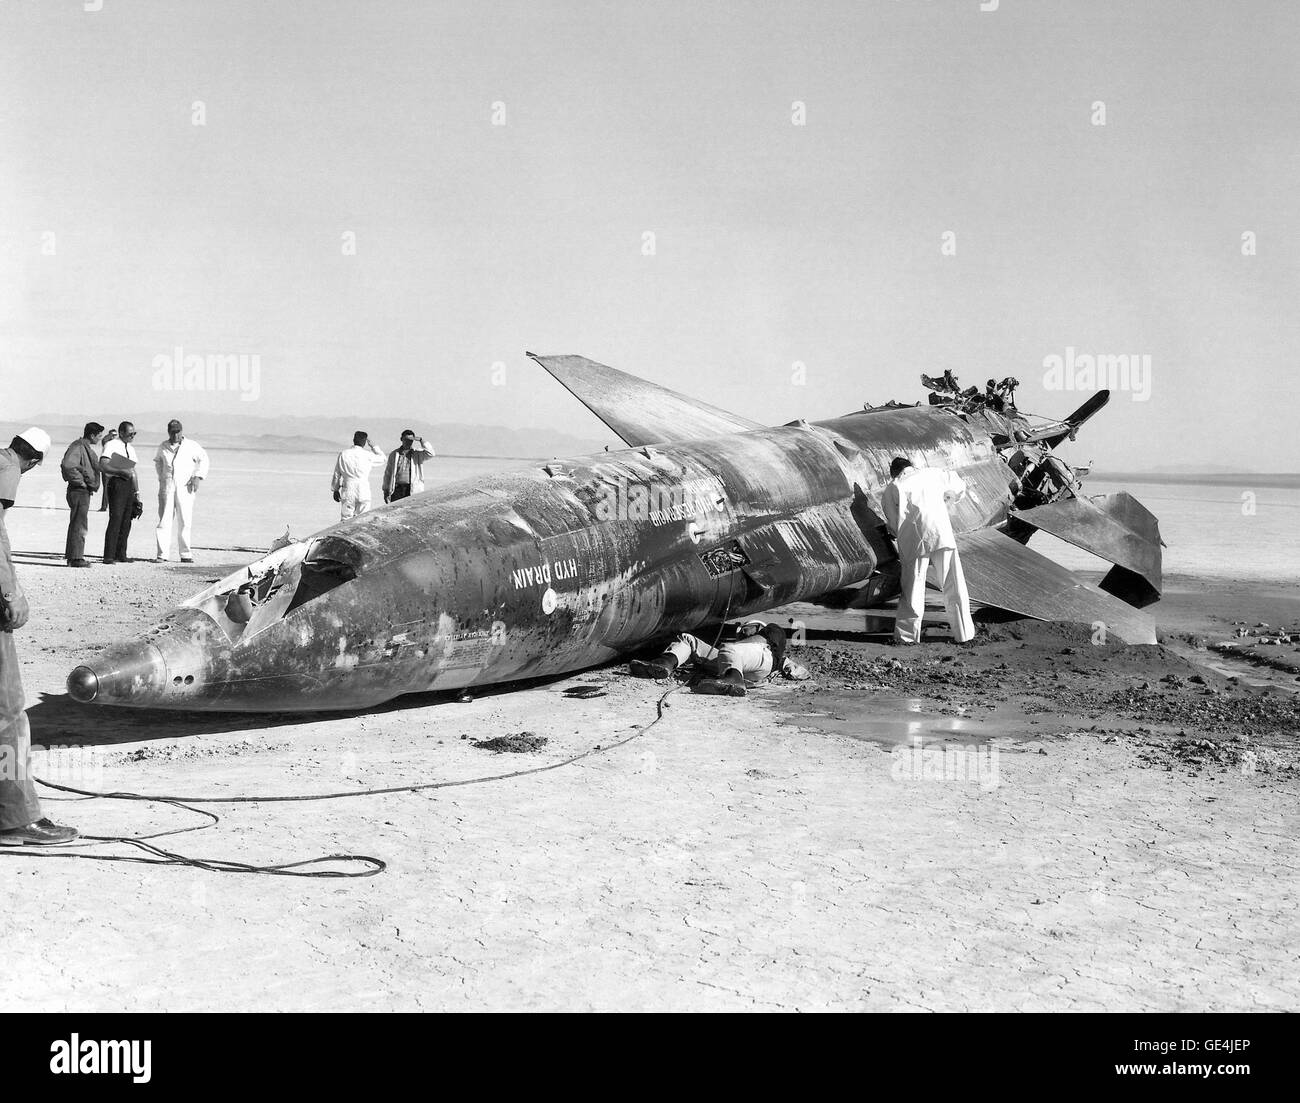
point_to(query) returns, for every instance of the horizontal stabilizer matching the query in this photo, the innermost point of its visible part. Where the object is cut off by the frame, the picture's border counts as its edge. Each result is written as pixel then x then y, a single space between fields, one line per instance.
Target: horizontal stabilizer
pixel 1003 573
pixel 1053 436
pixel 638 411
pixel 1090 407
pixel 1116 527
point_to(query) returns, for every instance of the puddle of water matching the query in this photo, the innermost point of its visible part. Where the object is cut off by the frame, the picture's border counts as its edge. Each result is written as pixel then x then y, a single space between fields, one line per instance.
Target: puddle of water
pixel 1246 672
pixel 894 721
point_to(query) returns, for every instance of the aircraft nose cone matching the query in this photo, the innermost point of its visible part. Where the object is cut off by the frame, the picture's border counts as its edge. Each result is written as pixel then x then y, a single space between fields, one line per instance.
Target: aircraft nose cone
pixel 83 685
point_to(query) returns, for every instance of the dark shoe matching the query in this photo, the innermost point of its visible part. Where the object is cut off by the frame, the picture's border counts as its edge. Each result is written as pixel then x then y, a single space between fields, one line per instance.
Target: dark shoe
pixel 655 668
pixel 109 562
pixel 78 563
pixel 719 688
pixel 184 560
pixel 41 833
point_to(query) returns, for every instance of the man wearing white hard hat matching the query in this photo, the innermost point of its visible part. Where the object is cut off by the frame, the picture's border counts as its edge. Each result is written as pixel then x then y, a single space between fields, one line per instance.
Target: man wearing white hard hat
pixel 21 822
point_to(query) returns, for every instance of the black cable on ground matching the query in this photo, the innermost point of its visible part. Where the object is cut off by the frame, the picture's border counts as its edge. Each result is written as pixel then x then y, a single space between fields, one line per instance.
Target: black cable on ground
pixel 285 869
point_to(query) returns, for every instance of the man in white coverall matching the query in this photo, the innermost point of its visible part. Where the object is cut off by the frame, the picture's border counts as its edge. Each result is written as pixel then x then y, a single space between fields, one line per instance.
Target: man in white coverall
pixel 182 465
pixel 351 482
pixel 915 505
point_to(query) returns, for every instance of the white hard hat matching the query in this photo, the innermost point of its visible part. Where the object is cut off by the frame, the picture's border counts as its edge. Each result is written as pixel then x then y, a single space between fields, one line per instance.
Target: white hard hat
pixel 39 439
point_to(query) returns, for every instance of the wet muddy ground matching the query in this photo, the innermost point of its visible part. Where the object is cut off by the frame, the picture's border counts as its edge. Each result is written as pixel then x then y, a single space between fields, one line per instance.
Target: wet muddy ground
pixel 1029 680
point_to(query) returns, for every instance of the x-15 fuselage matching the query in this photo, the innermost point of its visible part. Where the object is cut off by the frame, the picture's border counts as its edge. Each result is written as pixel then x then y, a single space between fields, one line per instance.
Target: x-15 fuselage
pixel 558 566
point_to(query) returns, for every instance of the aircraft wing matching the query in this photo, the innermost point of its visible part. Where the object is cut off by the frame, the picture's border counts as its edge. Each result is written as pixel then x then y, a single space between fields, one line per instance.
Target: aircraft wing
pixel 1006 574
pixel 638 411
pixel 1116 527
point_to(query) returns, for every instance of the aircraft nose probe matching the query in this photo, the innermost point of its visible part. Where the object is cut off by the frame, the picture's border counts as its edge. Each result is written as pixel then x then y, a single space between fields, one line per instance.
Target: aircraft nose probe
pixel 127 674
pixel 83 685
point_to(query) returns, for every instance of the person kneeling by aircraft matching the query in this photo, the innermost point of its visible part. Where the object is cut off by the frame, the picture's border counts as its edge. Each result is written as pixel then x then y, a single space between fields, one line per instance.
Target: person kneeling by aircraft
pixel 748 658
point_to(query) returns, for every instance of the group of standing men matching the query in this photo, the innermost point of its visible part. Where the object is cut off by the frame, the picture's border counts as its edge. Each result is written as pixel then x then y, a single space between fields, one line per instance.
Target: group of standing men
pixel 181 465
pixel 403 471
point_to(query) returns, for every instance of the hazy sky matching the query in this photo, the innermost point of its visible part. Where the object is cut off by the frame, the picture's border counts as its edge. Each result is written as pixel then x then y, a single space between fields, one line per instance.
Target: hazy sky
pixel 774 243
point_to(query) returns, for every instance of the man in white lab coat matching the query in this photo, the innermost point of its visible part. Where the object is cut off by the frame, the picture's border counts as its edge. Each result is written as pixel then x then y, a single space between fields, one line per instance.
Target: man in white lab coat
pixel 182 465
pixel 351 482
pixel 915 505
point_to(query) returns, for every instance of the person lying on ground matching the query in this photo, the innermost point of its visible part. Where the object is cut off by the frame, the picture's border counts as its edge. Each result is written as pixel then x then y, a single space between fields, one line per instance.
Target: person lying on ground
pixel 749 656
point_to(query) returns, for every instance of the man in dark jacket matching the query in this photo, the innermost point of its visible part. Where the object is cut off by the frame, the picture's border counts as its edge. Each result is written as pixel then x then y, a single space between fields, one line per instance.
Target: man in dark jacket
pixel 81 473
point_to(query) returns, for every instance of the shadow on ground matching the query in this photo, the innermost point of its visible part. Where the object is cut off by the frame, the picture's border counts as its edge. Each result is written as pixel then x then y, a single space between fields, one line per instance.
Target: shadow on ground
pixel 60 719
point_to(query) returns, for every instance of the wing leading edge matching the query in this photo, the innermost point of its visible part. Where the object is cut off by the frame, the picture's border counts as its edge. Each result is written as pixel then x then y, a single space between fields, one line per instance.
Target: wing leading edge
pixel 638 411
pixel 1116 527
pixel 1001 572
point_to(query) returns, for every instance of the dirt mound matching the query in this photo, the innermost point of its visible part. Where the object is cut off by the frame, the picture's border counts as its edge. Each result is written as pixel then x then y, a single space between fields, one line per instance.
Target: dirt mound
pixel 1175 701
pixel 1048 633
pixel 939 675
pixel 520 743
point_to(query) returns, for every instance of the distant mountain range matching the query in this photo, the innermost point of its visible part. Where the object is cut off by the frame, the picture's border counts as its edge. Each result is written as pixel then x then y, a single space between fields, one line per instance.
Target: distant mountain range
pixel 329 434
pixel 1192 469
pixel 1244 480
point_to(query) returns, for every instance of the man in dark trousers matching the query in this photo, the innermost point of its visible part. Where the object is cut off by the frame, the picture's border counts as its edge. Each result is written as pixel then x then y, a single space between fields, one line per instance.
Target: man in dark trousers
pixel 118 466
pixel 81 472
pixel 21 822
pixel 751 653
pixel 109 435
pixel 404 471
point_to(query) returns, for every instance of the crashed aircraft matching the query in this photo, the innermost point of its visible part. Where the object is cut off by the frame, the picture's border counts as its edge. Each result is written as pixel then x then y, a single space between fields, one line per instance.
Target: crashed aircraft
pixel 563 565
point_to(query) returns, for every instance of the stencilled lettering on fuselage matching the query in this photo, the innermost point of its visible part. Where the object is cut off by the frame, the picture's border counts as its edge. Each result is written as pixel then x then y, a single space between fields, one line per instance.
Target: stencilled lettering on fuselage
pixel 696 498
pixel 545 573
pixel 475 647
pixel 469 649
